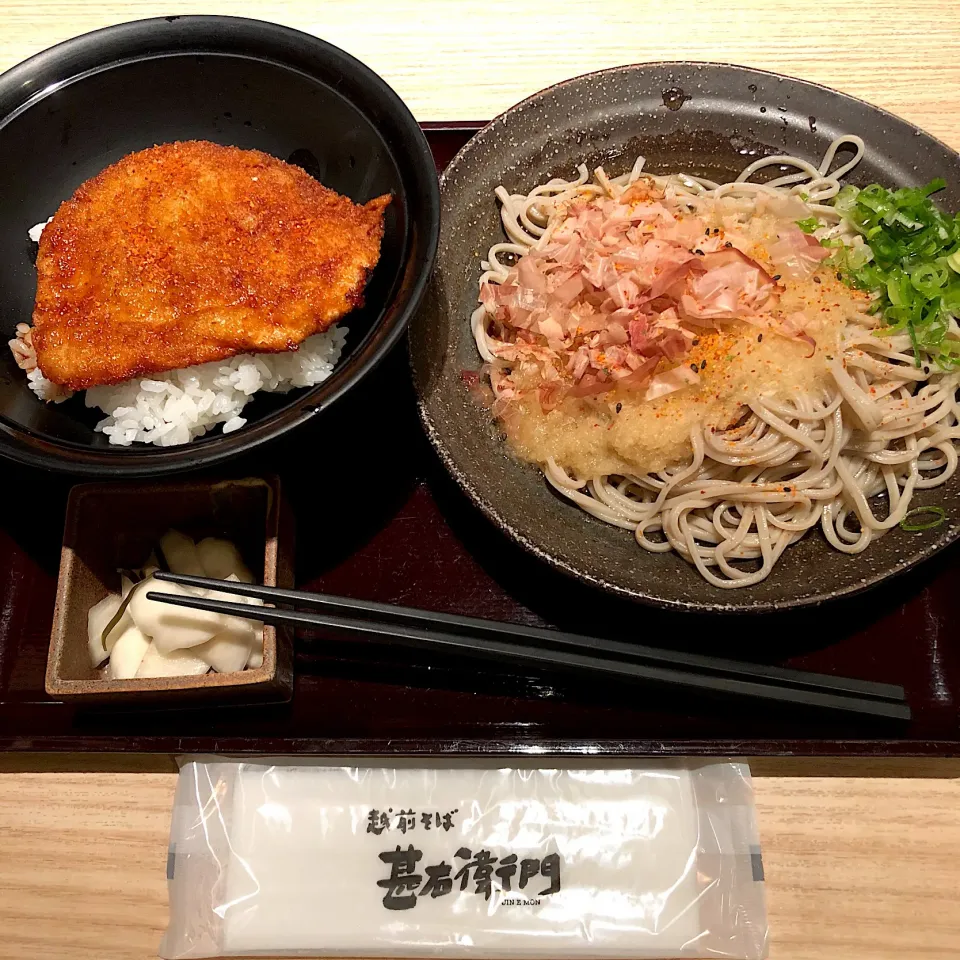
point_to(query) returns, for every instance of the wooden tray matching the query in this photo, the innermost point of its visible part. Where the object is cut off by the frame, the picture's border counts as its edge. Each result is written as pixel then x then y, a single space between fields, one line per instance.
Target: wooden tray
pixel 378 518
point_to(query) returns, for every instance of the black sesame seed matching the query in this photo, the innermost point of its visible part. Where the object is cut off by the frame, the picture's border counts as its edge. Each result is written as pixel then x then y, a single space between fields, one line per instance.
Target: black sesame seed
pixel 760 338
pixel 728 244
pixel 694 367
pixel 703 364
pixel 839 275
pixel 699 253
pixel 816 280
pixel 775 277
pixel 696 342
pixel 619 407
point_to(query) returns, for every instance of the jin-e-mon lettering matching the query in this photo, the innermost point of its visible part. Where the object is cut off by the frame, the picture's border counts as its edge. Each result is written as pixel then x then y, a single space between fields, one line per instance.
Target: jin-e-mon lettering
pixel 482 870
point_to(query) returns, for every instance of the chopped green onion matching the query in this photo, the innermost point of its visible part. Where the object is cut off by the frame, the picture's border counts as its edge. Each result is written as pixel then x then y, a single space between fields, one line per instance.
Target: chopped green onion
pixel 895 290
pixel 949 356
pixel 950 299
pixel 928 279
pixel 936 512
pixel 848 259
pixel 846 199
pixel 910 248
pixel 912 330
pixel 809 225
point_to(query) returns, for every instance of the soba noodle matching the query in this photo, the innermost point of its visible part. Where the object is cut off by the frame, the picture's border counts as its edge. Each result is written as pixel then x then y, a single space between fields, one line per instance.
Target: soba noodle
pixel 878 425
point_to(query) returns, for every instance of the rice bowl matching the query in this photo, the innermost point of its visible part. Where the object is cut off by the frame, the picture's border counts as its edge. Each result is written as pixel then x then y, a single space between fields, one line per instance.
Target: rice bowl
pixel 185 278
pixel 248 91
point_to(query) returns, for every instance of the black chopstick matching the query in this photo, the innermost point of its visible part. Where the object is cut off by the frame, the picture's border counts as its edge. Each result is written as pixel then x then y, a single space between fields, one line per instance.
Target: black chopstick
pixel 473 625
pixel 490 639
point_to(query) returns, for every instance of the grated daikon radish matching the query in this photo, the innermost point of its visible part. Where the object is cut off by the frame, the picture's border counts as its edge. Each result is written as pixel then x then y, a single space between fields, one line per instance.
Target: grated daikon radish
pixel 173 628
pixel 181 555
pixel 127 654
pixel 221 559
pixel 177 663
pixel 98 617
pixel 228 652
pixel 255 660
pixel 159 640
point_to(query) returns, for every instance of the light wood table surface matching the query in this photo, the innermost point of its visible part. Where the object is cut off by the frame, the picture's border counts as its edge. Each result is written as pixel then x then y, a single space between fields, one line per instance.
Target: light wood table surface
pixel 862 860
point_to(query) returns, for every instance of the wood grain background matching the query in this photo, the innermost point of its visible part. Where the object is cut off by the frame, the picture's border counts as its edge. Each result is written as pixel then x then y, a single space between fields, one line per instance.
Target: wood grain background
pixel 856 866
pixel 862 864
pixel 470 60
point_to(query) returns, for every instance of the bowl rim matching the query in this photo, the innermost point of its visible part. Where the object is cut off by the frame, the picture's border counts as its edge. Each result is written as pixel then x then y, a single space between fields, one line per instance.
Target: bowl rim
pixel 27 83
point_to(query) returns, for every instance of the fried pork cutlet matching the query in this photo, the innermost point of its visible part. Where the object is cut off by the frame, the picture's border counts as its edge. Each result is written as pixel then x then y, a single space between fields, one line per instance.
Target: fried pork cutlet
pixel 191 252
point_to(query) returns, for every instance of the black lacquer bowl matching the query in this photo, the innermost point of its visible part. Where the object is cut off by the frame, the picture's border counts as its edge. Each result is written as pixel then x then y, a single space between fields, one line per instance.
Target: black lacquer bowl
pixel 70 111
pixel 707 119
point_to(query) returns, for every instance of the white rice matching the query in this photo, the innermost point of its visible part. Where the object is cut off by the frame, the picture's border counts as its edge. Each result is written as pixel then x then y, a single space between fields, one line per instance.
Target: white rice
pixel 176 407
pixel 34 232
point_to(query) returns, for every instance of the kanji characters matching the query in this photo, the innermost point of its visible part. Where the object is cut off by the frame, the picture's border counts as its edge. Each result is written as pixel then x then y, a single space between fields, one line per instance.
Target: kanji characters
pixel 506 870
pixel 377 822
pixel 482 866
pixel 401 879
pixel 439 881
pixel 403 886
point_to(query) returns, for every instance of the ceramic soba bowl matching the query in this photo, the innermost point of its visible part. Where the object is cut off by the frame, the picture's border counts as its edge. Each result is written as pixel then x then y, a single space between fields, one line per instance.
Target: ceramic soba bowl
pixel 705 119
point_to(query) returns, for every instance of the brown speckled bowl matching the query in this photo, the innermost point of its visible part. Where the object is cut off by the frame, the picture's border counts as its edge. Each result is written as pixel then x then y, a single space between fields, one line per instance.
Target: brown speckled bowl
pixel 110 526
pixel 709 119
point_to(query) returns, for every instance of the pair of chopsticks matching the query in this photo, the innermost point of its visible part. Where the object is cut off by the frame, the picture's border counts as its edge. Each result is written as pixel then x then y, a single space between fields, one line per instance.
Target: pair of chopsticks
pixel 511 643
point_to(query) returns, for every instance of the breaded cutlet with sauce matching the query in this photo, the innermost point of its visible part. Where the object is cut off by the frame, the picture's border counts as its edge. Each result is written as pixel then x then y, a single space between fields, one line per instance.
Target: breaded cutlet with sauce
pixel 191 252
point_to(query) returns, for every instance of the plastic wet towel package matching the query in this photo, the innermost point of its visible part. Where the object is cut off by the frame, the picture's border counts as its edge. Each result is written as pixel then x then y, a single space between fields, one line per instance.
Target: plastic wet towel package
pixel 294 858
